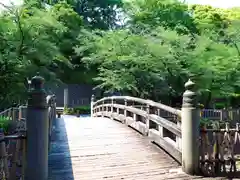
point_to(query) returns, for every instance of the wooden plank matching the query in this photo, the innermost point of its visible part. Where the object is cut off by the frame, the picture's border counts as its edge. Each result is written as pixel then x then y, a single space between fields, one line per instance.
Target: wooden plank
pixel 100 148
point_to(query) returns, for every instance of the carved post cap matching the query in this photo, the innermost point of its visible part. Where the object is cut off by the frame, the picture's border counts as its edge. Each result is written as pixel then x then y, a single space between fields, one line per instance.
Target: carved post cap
pixel 37 82
pixel 37 94
pixel 189 96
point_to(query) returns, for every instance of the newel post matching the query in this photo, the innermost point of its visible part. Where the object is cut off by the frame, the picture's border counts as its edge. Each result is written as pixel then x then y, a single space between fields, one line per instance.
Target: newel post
pixel 190 130
pixel 37 132
pixel 92 102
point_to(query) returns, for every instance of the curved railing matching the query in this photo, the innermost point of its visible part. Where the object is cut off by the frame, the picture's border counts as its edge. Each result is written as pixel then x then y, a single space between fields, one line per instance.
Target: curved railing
pixel 159 122
pixel 212 149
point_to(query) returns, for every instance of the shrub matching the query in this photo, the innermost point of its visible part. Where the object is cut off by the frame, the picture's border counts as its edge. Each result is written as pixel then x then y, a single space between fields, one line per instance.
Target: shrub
pixel 77 110
pixel 68 111
pixel 5 123
pixel 82 110
pixel 212 124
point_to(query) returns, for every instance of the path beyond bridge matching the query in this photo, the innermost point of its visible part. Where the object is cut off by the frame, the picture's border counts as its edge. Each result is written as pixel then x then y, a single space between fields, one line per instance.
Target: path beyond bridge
pixel 101 148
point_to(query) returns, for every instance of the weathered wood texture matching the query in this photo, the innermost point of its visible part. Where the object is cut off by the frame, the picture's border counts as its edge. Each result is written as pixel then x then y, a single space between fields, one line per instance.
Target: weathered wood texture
pixel 100 148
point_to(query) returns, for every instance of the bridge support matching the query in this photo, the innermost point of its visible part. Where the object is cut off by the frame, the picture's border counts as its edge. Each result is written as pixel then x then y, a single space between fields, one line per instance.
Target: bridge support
pixel 190 130
pixel 37 132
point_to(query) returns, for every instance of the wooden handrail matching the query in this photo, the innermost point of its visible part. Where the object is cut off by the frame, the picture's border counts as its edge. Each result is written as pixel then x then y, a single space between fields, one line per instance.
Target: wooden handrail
pixel 142 101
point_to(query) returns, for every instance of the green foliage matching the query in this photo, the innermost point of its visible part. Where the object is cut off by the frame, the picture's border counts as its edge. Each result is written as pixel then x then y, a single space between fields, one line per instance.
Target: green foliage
pixel 5 123
pixel 68 111
pixel 161 45
pixel 100 14
pixel 166 13
pixel 82 109
pixel 77 110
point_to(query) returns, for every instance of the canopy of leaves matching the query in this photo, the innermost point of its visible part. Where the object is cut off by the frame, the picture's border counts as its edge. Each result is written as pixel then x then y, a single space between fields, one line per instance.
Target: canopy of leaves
pixel 149 52
pixel 164 43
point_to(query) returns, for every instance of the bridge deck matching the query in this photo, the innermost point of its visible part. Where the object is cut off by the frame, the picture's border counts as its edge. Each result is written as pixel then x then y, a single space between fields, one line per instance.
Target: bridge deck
pixel 100 148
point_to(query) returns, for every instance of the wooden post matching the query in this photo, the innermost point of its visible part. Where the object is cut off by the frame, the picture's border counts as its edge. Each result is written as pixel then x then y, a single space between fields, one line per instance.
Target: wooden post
pixel 20 113
pixel 37 132
pixel 3 156
pixel 92 102
pixel 10 113
pixel 102 109
pixel 125 110
pixel 147 119
pixel 111 108
pixel 190 130
pixel 14 110
pixel 179 139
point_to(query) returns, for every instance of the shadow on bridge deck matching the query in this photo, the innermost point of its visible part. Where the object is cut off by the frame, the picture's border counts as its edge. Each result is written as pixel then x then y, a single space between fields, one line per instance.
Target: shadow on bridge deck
pixel 60 157
pixel 100 148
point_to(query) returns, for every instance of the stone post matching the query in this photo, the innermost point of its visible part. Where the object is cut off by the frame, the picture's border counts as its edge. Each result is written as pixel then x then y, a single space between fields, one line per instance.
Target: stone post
pixel 190 130
pixel 65 97
pixel 92 102
pixel 37 132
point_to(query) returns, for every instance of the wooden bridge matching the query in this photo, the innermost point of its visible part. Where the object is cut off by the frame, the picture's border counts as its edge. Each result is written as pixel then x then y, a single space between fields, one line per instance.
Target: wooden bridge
pixel 124 138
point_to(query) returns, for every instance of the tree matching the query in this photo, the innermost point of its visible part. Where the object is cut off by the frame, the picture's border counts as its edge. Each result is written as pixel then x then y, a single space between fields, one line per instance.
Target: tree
pixel 166 13
pixel 27 45
pixel 100 14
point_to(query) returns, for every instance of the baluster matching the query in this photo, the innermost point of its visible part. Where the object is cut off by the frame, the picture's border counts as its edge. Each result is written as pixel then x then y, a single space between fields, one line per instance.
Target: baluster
pixel 111 115
pixel 158 112
pixel 20 113
pixel 10 113
pixel 134 117
pixel 102 109
pixel 125 110
pixel 92 106
pixel 14 110
pixel 147 119
pixel 179 139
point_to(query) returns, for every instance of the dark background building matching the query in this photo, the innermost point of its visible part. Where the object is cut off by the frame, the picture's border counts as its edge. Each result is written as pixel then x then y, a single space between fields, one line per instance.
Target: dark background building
pixel 78 94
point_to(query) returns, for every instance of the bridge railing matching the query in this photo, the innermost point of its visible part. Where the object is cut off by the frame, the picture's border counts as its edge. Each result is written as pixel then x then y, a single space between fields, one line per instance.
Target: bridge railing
pixel 143 115
pixel 176 131
pixel 24 149
pixel 209 149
